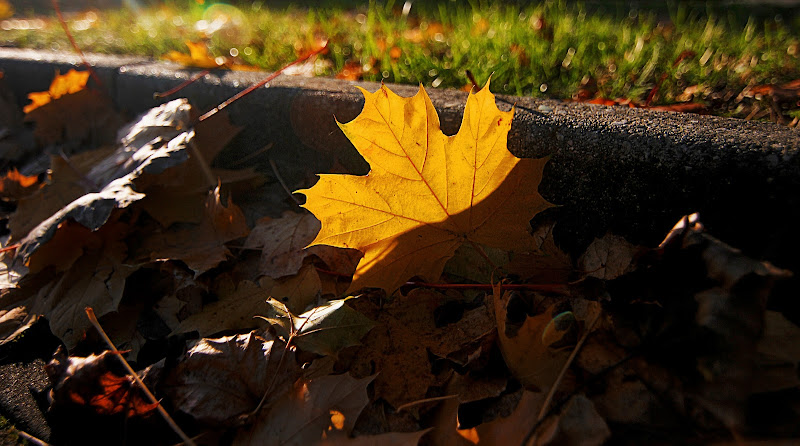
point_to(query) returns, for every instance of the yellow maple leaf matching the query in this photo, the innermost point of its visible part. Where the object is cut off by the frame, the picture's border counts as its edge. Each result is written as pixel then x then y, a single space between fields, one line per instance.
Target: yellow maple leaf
pixel 198 56
pixel 426 193
pixel 63 84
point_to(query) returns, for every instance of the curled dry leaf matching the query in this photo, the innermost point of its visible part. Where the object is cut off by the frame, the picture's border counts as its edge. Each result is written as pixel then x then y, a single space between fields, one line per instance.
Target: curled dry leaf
pixel 14 185
pixel 201 246
pixel 300 291
pixel 248 365
pixel 323 330
pixel 90 381
pixel 309 413
pixel 235 310
pixel 578 423
pixel 282 242
pixel 608 257
pixel 455 189
pixel 143 151
pixel 389 439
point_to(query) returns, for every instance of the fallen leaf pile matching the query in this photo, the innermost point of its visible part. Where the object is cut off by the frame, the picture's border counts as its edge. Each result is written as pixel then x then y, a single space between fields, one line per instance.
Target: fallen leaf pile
pixel 413 305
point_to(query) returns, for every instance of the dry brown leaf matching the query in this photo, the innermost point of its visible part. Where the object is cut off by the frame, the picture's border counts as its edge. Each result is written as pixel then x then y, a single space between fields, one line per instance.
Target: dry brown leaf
pixel 70 112
pixel 282 242
pixel 536 351
pixel 90 381
pixel 96 279
pixel 201 246
pixel 247 365
pixel 445 425
pixel 234 311
pixel 309 413
pixel 399 346
pixel 547 263
pixel 608 257
pixel 578 423
pixel 14 185
pixel 388 439
pixel 514 428
pixel 177 194
pixel 66 183
pixel 299 291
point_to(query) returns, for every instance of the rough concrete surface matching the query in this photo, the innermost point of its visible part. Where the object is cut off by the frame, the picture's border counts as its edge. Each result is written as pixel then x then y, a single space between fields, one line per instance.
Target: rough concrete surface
pixel 633 172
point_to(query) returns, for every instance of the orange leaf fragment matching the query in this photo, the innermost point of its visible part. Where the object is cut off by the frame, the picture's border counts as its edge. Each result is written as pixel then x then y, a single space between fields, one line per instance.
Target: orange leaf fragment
pixel 15 185
pixel 63 84
pixel 197 57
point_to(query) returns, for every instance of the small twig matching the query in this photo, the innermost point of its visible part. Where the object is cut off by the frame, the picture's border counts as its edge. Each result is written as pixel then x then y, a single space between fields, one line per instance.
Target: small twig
pixel 75 45
pixel 183 85
pixel 423 401
pixel 471 78
pixel 31 439
pixel 247 158
pixel 161 410
pixel 10 247
pixel 203 163
pixel 254 87
pixel 532 436
pixel 280 180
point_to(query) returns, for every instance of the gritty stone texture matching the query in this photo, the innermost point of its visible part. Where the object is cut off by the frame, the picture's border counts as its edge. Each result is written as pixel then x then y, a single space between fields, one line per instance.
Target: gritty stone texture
pixel 630 171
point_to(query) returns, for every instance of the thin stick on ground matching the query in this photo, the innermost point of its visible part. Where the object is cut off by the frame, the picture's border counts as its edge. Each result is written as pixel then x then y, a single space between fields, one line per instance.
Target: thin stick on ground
pixel 254 87
pixel 75 45
pixel 283 183
pixel 172 424
pixel 182 85
pixel 532 437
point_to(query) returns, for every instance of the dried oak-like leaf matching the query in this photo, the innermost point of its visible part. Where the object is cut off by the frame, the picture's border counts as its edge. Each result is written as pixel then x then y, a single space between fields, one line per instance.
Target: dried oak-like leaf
pixel 399 347
pixel 201 246
pixel 282 242
pixel 220 379
pixel 235 310
pixel 454 189
pixel 309 412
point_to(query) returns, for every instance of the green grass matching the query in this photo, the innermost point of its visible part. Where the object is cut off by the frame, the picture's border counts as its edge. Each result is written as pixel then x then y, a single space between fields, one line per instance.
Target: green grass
pixel 550 49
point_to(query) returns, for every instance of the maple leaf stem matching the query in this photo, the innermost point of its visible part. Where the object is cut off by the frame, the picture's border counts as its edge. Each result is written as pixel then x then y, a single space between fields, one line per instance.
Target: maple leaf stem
pixel 532 437
pixel 75 45
pixel 184 84
pixel 254 87
pixel 93 319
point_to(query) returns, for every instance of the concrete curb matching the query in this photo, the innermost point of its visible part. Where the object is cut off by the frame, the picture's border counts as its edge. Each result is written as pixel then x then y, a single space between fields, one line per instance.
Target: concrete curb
pixel 633 172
